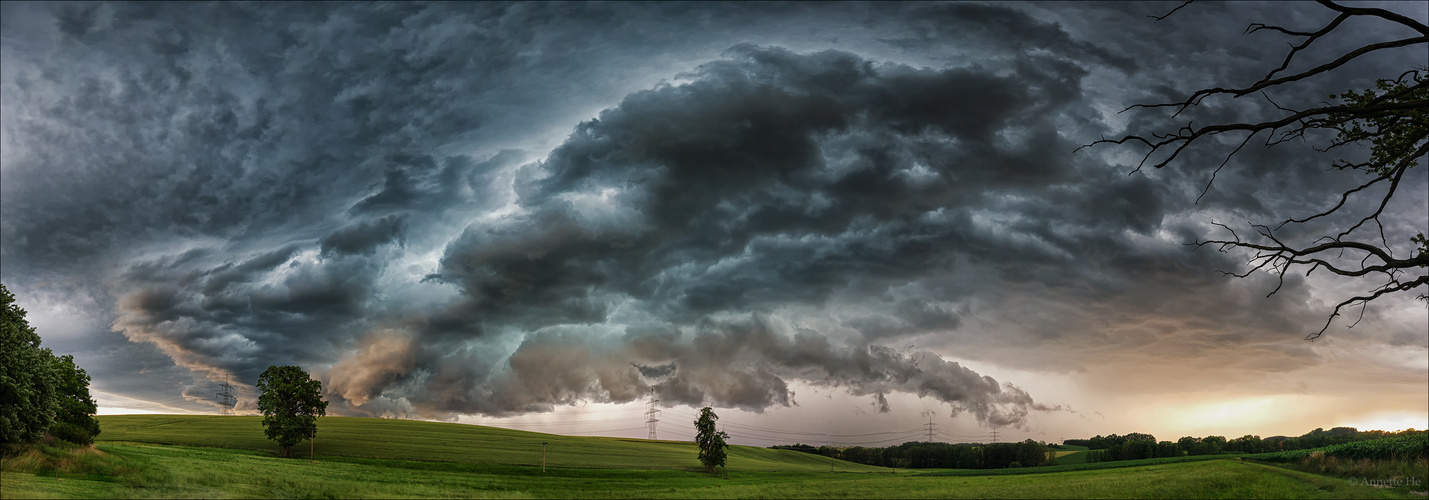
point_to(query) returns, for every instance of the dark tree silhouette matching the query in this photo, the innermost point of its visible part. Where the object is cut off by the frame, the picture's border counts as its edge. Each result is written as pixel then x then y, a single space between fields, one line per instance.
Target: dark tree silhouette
pixel 1392 119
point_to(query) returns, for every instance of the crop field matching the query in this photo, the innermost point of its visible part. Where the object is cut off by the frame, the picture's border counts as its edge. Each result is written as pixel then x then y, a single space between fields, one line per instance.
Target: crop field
pixel 1066 454
pixel 227 457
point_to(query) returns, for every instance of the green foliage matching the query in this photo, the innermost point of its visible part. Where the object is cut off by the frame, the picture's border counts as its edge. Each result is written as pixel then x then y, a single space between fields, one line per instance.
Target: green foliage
pixel 1187 444
pixel 27 379
pixel 71 433
pixel 1134 446
pixel 1423 249
pixel 931 455
pixel 1246 444
pixel 75 406
pixel 291 402
pixel 1394 136
pixel 710 441
pixel 1295 447
pixel 1211 445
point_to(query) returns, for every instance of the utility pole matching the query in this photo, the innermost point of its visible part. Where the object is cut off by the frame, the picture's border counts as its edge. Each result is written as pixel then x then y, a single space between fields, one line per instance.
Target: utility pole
pixel 313 445
pixel 652 415
pixel 226 399
pixel 543 457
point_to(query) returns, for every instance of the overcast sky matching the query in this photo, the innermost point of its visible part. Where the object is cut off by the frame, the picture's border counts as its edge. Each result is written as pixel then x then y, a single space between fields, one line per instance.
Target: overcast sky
pixel 843 219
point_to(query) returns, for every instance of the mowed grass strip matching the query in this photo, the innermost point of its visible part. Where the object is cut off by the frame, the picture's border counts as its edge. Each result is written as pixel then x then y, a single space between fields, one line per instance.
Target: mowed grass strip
pixel 190 472
pixel 1069 454
pixel 447 442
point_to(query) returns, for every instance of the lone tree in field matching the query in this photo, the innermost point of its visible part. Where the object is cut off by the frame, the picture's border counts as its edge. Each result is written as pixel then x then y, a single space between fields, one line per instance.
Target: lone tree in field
pixel 1392 119
pixel 710 441
pixel 291 403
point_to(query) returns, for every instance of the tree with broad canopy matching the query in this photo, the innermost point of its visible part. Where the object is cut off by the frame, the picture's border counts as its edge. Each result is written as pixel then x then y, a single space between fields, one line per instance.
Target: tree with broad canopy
pixel 291 403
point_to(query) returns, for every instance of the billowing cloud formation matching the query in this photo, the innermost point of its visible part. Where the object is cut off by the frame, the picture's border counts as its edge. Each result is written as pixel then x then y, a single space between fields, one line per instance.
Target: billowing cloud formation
pixel 365 190
pixel 771 179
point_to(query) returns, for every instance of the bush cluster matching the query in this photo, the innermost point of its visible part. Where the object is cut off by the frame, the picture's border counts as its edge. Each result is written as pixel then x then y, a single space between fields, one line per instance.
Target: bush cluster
pixel 70 432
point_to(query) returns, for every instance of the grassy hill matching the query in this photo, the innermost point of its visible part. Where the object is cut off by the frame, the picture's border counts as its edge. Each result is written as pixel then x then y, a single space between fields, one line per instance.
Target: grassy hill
pixel 180 456
pixel 458 443
pixel 114 470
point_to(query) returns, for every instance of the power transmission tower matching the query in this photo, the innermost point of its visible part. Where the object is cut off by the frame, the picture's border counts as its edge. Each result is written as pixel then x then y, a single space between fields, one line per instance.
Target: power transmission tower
pixel 929 414
pixel 994 434
pixel 652 415
pixel 226 398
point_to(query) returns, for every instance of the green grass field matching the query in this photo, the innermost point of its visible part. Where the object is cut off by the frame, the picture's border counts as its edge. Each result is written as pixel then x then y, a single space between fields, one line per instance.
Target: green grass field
pixel 227 457
pixel 1067 454
pixel 443 442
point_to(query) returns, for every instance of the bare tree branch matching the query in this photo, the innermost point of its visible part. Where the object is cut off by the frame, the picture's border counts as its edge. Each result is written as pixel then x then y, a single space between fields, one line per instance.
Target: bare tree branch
pixel 1173 11
pixel 1393 119
pixel 1365 299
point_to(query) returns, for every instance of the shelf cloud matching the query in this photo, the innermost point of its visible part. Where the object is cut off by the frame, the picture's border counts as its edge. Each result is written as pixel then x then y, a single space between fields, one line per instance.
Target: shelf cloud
pixel 458 209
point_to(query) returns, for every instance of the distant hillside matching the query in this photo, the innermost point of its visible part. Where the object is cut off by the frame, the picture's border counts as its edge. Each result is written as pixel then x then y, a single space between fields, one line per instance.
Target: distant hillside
pixel 446 442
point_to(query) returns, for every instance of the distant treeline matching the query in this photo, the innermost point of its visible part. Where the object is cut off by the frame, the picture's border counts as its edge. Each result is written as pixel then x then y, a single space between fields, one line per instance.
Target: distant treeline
pixel 923 455
pixel 1413 447
pixel 1136 446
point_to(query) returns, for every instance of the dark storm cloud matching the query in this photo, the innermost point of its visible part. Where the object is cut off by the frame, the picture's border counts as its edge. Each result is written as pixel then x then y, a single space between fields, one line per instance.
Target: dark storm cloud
pixel 935 25
pixel 799 173
pixel 771 179
pixel 343 186
pixel 741 364
pixel 364 237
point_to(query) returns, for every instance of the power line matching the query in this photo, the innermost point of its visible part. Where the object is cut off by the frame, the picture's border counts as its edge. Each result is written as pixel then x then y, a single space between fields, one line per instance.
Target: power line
pixel 571 422
pixel 927 431
pixel 822 434
pixel 610 430
pixel 652 416
pixel 951 435
pixel 904 438
pixel 225 397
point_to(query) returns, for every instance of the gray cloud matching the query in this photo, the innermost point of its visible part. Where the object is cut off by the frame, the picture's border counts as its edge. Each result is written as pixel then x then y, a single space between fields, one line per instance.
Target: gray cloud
pixel 364 237
pixel 381 193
